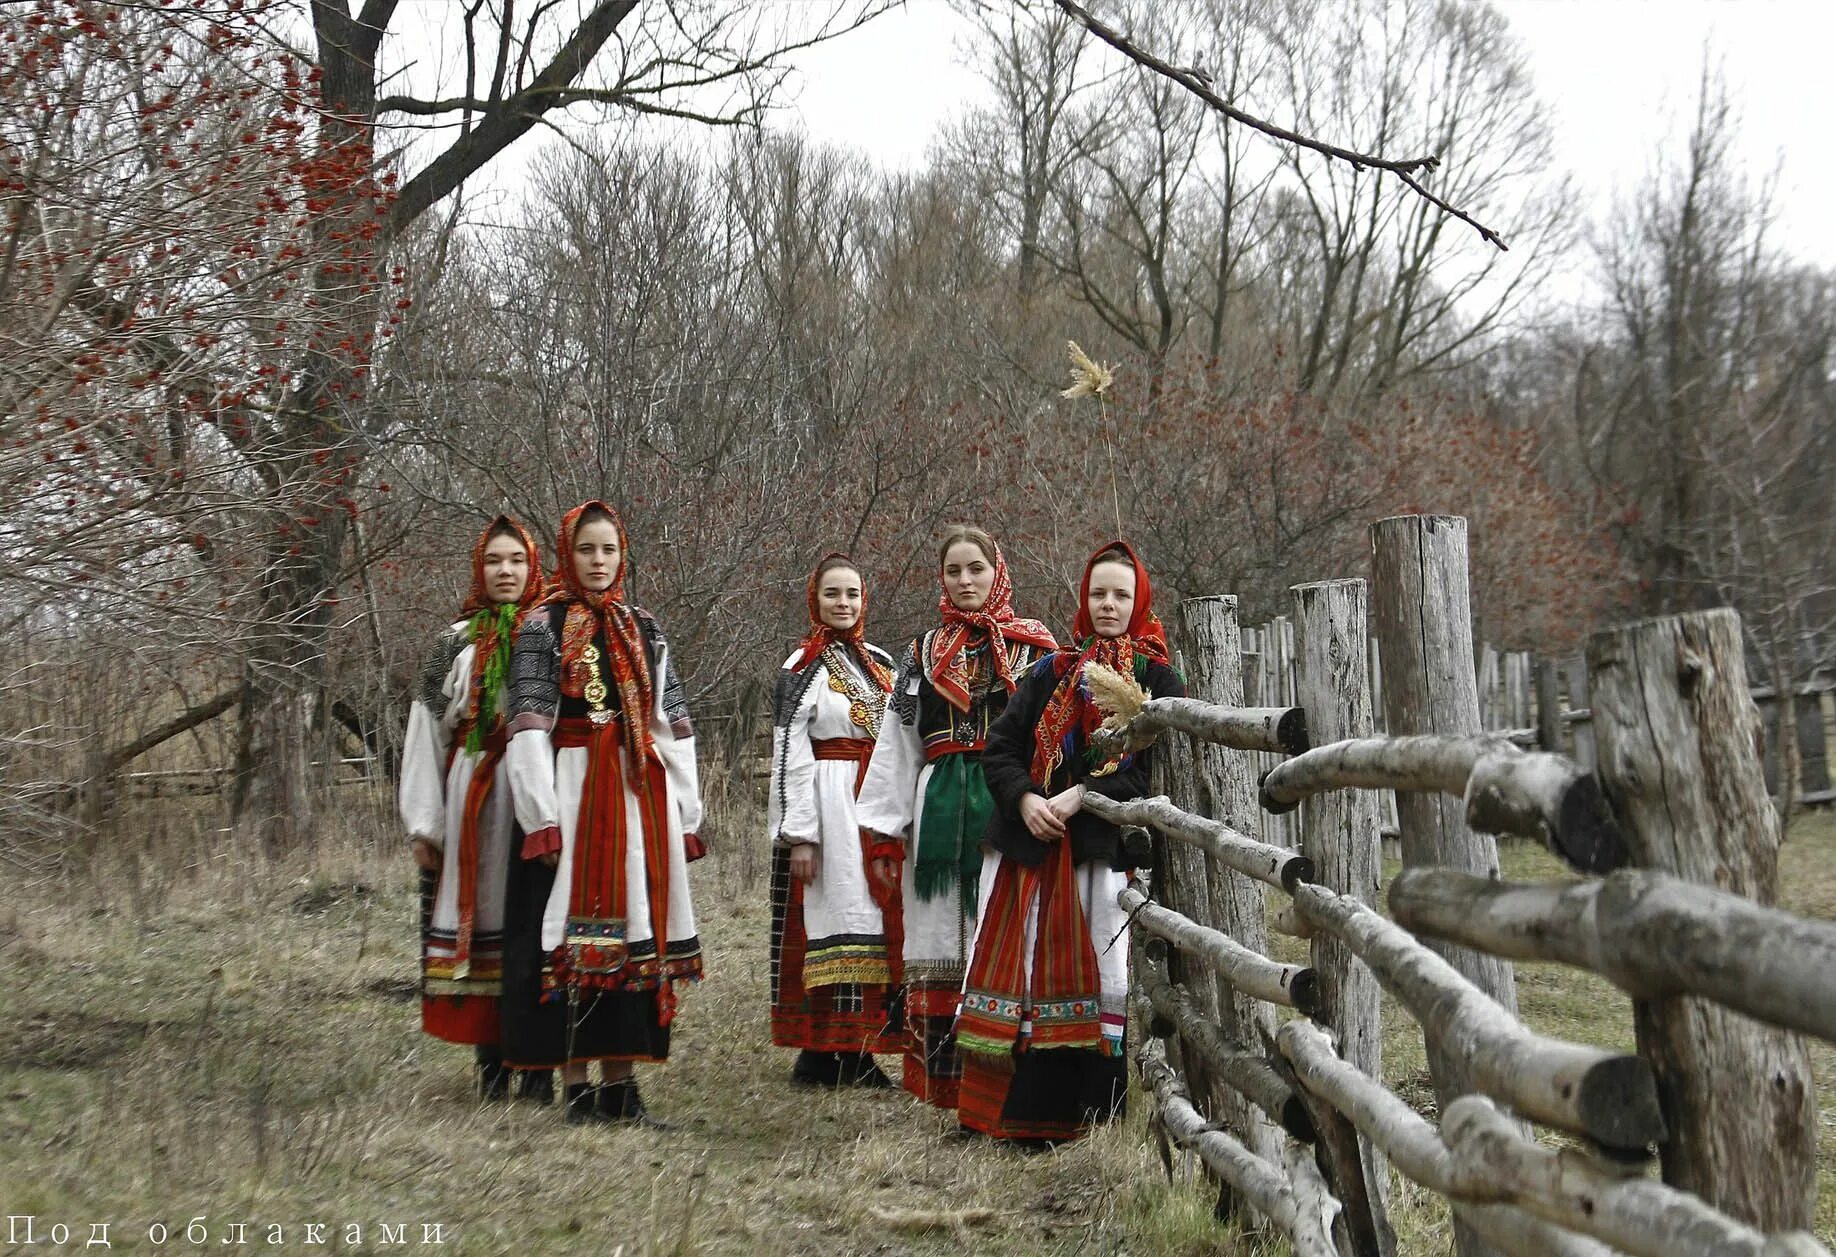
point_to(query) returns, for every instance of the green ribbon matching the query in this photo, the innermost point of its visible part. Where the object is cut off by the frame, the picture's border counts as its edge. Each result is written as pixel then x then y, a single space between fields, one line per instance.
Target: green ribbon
pixel 957 806
pixel 496 669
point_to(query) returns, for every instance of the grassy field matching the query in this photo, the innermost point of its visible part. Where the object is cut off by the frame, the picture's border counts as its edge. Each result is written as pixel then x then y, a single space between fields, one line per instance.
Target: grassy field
pixel 188 1031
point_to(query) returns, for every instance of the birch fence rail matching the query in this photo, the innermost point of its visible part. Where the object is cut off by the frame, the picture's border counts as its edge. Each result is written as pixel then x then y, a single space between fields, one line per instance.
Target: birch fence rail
pixel 1283 1103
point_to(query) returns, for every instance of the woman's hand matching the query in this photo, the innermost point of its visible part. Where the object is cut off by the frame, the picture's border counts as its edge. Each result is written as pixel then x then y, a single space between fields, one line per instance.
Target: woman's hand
pixel 426 855
pixel 1067 803
pixel 1042 821
pixel 550 859
pixel 883 876
pixel 805 861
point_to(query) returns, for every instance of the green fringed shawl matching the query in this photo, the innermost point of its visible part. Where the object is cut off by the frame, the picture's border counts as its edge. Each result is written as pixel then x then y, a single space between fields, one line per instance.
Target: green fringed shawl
pixel 957 806
pixel 494 627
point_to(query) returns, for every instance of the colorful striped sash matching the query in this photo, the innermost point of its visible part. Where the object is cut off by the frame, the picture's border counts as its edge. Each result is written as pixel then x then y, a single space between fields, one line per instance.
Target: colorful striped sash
pixel 594 948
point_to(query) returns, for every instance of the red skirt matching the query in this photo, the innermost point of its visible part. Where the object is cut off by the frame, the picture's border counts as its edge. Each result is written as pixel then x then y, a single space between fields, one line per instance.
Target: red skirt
pixel 849 1017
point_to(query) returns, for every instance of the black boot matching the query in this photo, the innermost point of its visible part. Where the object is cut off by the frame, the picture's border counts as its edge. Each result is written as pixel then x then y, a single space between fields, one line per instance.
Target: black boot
pixel 582 1104
pixel 859 1069
pixel 620 1102
pixel 817 1069
pixel 537 1085
pixel 493 1078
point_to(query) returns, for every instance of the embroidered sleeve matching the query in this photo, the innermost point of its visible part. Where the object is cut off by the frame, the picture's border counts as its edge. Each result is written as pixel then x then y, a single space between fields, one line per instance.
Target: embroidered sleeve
pixel 904 701
pixel 674 733
pixel 535 675
pixel 430 686
pixel 673 695
pixel 420 795
pixel 421 792
pixel 535 699
pixel 794 771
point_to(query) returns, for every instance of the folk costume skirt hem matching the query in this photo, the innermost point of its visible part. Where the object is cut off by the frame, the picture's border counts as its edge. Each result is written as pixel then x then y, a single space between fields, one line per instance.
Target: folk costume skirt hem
pixel 468 1019
pixel 1054 1094
pixel 933 1067
pixel 834 1017
pixel 561 1027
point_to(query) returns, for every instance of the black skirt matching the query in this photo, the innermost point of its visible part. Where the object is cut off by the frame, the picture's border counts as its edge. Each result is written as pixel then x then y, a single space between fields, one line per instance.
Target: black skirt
pixel 547 1029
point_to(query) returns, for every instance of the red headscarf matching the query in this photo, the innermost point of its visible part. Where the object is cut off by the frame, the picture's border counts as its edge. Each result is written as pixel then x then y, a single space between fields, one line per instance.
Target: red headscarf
pixel 588 615
pixel 1070 709
pixel 995 621
pixel 823 635
pixel 493 624
pixel 479 598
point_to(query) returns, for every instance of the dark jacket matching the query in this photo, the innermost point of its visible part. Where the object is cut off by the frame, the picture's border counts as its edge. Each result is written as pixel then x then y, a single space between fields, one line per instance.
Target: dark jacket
pixel 1007 763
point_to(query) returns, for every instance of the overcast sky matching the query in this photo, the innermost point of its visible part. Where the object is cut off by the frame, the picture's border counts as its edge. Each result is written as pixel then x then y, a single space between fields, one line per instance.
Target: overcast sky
pixel 1619 78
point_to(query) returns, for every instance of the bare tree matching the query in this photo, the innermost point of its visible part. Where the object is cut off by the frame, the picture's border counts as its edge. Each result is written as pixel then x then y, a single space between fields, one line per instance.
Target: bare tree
pixel 294 442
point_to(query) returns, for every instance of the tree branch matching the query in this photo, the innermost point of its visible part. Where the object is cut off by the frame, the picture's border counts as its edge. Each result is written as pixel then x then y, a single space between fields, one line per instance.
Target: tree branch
pixel 555 98
pixel 509 120
pixel 1194 81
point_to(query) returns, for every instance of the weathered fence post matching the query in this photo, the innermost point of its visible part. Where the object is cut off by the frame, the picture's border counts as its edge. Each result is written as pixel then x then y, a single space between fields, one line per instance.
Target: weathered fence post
pixel 1215 781
pixel 1581 720
pixel 1548 706
pixel 1339 834
pixel 1422 613
pixel 1678 738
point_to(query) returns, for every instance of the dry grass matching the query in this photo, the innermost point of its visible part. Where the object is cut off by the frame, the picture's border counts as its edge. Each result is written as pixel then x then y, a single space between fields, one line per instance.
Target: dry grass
pixel 188 1029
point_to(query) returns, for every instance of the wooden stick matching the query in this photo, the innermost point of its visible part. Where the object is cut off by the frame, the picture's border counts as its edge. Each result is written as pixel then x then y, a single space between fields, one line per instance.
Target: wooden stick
pixel 1649 934
pixel 1275 866
pixel 1422 615
pixel 1189 879
pixel 1291 986
pixel 1610 1098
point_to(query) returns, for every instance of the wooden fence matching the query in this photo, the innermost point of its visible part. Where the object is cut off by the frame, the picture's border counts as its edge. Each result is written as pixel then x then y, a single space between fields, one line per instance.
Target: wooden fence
pixel 1536 701
pixel 1270 1072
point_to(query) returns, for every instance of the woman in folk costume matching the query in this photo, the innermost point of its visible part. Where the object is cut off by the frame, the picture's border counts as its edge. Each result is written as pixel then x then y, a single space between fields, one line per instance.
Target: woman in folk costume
pixel 925 784
pixel 834 934
pixel 1044 1004
pixel 602 764
pixel 455 801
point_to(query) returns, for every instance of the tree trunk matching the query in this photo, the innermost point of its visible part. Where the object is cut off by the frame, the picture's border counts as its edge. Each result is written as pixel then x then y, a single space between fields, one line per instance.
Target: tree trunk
pixel 1339 834
pixel 272 797
pixel 314 454
pixel 1679 738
